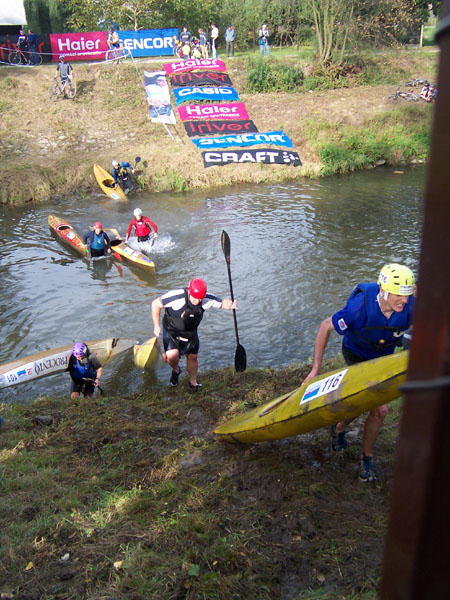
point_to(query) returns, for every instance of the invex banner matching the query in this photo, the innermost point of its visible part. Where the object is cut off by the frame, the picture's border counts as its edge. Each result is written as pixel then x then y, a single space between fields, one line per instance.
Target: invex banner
pixel 189 94
pixel 278 138
pixel 79 46
pixel 196 63
pixel 262 155
pixel 213 127
pixel 149 42
pixel 200 78
pixel 232 110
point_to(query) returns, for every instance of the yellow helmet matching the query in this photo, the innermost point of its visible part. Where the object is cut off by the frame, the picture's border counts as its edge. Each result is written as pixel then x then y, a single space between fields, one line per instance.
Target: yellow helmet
pixel 396 279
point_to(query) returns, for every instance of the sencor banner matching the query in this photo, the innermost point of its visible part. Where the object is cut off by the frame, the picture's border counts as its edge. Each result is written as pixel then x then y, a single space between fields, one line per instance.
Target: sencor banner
pixel 278 138
pixel 232 110
pixel 262 155
pixel 189 94
pixel 196 63
pixel 149 42
pixel 79 46
pixel 195 128
pixel 200 78
pixel 158 97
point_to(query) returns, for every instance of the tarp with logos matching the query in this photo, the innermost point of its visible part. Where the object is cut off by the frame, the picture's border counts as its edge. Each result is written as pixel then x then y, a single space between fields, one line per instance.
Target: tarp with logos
pixel 193 78
pixel 261 155
pixel 277 138
pixel 158 97
pixel 230 110
pixel 211 94
pixel 195 128
pixel 196 63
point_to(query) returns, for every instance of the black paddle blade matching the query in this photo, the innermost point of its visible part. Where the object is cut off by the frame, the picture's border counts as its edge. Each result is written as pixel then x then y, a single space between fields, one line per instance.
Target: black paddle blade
pixel 137 160
pixel 226 244
pixel 240 359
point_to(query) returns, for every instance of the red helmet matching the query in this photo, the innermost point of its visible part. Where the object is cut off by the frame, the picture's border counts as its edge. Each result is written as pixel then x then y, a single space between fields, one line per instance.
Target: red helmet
pixel 98 225
pixel 197 288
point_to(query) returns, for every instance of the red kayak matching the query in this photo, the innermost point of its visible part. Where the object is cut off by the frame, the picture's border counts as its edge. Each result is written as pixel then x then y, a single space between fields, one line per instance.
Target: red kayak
pixel 67 234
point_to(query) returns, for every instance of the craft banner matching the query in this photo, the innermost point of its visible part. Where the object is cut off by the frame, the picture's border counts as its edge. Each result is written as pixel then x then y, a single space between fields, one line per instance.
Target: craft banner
pixel 232 110
pixel 158 97
pixel 197 63
pixel 278 138
pixel 262 155
pixel 201 78
pixel 190 94
pixel 196 128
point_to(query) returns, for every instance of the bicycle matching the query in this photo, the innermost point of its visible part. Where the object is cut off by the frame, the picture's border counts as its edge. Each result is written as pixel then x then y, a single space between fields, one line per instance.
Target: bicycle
pixel 399 94
pixel 22 57
pixel 64 89
pixel 117 54
pixel 417 82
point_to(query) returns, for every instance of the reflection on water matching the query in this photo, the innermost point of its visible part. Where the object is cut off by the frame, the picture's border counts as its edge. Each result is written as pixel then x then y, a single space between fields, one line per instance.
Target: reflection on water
pixel 297 250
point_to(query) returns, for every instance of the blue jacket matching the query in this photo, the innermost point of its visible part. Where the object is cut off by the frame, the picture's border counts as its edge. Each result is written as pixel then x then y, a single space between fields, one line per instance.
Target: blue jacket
pixel 367 332
pixel 121 171
pixel 97 242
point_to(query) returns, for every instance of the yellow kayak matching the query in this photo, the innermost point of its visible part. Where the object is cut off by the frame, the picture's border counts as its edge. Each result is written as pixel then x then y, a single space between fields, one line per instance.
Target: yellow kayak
pixel 55 361
pixel 134 257
pixel 146 354
pixel 321 401
pixel 106 182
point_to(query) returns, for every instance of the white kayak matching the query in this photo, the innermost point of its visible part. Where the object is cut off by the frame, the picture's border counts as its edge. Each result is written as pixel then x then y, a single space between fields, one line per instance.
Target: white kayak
pixel 55 361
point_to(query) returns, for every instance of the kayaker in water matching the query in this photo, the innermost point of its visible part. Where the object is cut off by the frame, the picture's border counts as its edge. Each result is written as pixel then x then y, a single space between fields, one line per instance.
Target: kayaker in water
pixel 85 371
pixel 372 324
pixel 143 226
pixel 121 175
pixel 184 310
pixel 97 241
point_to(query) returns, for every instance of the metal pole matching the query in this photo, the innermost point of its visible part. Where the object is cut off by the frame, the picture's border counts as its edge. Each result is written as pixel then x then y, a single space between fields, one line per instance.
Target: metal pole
pixel 417 550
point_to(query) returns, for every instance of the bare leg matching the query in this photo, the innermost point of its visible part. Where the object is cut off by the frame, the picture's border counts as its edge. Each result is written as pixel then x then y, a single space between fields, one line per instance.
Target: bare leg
pixel 173 358
pixel 192 368
pixel 372 427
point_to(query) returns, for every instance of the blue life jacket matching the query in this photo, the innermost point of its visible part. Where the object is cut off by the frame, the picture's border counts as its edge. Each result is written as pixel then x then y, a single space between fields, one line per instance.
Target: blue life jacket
pixel 379 335
pixel 83 371
pixel 98 241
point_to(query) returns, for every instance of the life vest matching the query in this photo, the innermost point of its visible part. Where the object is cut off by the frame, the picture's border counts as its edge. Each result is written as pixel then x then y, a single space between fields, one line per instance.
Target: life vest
pixel 376 336
pixel 82 371
pixel 183 328
pixel 142 228
pixel 98 241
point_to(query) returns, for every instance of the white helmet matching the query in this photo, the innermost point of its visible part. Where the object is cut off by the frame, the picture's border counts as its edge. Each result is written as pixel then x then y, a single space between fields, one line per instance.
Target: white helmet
pixel 115 163
pixel 137 212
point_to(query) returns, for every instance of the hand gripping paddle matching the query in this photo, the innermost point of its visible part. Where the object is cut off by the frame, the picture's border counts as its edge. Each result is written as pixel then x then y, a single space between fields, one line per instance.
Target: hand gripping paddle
pixel 240 357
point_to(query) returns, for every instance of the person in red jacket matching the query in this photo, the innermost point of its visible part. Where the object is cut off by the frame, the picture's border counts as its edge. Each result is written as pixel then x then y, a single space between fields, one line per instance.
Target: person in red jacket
pixel 143 226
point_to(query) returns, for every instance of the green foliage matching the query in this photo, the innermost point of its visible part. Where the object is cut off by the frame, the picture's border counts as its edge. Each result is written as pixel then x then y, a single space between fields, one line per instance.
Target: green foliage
pixel 46 16
pixel 272 76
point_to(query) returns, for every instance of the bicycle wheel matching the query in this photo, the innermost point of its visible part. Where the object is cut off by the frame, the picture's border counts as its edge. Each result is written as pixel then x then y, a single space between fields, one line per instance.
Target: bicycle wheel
pixel 410 97
pixel 38 59
pixel 54 91
pixel 71 89
pixel 15 58
pixel 109 56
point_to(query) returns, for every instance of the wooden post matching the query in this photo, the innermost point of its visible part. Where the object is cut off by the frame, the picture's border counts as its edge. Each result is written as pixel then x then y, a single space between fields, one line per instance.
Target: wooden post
pixel 416 558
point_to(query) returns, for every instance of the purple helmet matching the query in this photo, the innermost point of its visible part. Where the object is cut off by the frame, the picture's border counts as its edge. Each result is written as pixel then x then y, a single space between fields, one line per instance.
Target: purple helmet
pixel 79 350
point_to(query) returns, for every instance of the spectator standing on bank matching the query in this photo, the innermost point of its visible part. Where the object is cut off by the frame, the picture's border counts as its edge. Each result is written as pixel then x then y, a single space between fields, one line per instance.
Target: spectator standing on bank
pixel 230 36
pixel 203 41
pixel 214 36
pixel 32 42
pixel 185 36
pixel 264 40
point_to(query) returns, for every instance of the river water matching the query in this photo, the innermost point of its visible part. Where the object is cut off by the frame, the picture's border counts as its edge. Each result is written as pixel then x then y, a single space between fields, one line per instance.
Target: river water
pixel 297 251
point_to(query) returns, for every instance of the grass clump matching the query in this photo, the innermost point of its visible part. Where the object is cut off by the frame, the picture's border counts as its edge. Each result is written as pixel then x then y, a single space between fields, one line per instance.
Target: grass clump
pixel 273 76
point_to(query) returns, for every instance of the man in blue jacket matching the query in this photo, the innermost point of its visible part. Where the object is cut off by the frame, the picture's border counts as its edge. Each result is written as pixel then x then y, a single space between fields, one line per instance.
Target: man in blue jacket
pixel 121 175
pixel 85 371
pixel 372 324
pixel 97 241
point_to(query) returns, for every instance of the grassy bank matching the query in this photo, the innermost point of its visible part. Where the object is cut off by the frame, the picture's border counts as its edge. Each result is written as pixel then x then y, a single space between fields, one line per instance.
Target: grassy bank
pixel 339 121
pixel 133 498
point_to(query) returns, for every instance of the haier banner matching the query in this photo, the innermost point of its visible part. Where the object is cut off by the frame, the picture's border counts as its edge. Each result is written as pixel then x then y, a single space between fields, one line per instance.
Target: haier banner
pixel 149 42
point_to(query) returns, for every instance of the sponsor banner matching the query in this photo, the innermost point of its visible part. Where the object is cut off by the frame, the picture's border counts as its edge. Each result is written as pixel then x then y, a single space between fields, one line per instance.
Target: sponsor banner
pixel 200 78
pixel 323 386
pixel 158 97
pixel 189 94
pixel 149 42
pixel 196 63
pixel 231 110
pixel 79 46
pixel 196 128
pixel 8 43
pixel 262 155
pixel 278 138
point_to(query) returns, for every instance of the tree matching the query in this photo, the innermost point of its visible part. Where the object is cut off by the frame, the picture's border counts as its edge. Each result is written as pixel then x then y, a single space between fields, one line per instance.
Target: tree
pixel 46 16
pixel 332 21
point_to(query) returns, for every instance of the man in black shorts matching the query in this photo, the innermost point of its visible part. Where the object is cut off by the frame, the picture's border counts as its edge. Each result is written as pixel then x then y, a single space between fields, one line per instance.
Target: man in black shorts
pixel 184 310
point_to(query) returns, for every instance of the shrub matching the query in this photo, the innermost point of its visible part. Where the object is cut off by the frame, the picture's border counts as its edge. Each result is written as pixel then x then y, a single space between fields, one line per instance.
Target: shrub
pixel 272 76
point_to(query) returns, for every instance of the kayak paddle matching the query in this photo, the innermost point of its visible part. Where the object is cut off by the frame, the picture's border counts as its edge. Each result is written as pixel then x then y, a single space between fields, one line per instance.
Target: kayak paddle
pixel 137 160
pixel 240 357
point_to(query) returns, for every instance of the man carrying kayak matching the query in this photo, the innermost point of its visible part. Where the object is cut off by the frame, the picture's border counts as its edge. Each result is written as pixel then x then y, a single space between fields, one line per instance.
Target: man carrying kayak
pixel 143 226
pixel 85 371
pixel 121 175
pixel 372 324
pixel 184 310
pixel 97 241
